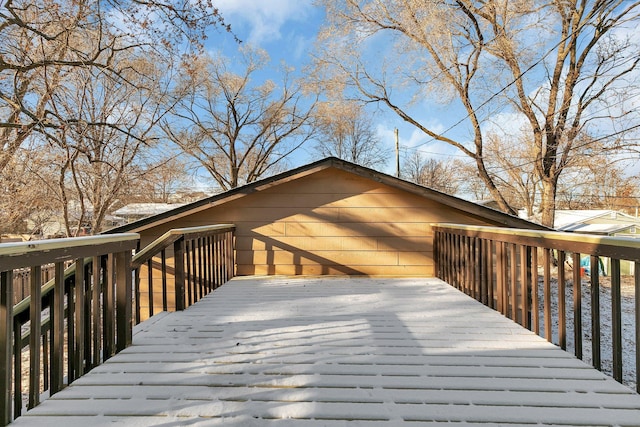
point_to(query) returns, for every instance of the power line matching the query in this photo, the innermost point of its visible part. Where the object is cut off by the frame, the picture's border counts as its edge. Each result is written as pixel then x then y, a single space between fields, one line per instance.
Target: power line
pixel 511 83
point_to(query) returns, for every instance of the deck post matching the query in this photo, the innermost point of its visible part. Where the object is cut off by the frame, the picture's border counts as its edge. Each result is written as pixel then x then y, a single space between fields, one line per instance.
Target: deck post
pixel 124 328
pixel 78 316
pixel 6 347
pixel 577 305
pixel 178 256
pixel 57 330
pixel 35 336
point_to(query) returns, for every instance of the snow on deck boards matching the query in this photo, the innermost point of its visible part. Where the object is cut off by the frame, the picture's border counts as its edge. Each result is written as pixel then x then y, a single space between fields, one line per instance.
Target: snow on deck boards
pixel 338 352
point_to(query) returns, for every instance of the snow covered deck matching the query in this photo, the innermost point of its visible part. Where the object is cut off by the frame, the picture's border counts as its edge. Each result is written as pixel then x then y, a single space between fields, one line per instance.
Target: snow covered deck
pixel 338 352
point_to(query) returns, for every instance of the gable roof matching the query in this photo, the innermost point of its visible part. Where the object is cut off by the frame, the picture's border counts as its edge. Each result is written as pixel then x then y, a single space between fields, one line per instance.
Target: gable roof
pixel 572 219
pixel 598 228
pixel 488 213
pixel 145 209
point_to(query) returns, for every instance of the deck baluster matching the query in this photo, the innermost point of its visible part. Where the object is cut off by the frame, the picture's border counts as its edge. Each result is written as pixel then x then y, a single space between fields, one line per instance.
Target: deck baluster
pixel 577 305
pixel 6 338
pixel 57 330
pixel 524 285
pixel 616 319
pixel 78 317
pixel 35 335
pixel 636 272
pixel 178 253
pixel 595 312
pixel 546 297
pixel 562 308
pixel 513 273
pixel 163 267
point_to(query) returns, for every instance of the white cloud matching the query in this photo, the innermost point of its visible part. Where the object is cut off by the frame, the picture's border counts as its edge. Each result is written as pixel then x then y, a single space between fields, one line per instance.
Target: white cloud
pixel 263 20
pixel 506 124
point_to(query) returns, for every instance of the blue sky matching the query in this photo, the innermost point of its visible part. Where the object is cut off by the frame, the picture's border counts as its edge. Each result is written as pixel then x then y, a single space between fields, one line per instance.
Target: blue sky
pixel 287 29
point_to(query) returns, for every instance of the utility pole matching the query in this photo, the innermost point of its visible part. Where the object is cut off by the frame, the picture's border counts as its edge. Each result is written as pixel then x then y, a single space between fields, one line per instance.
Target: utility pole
pixel 397 154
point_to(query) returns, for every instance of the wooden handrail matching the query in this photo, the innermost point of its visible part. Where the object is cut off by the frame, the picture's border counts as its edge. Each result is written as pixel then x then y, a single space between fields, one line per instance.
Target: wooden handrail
pixel 72 330
pixel 39 252
pixel 168 238
pixel 203 260
pixel 607 246
pixel 92 302
pixel 500 267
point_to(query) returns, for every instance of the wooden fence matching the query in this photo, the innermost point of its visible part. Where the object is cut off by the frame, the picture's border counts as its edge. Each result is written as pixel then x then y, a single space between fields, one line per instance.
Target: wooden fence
pixel 22 280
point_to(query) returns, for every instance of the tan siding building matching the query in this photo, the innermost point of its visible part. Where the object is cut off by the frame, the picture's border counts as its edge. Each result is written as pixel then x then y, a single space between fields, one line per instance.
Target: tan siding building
pixel 330 217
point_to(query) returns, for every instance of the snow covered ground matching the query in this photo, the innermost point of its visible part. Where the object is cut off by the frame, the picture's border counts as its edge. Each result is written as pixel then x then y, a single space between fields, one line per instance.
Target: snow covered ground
pixel 628 323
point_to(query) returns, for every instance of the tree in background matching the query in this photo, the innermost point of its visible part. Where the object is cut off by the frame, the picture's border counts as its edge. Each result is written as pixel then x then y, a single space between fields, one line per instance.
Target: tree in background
pixel 167 179
pixel 593 179
pixel 438 175
pixel 97 158
pixel 235 125
pixel 511 165
pixel 346 131
pixel 43 41
pixel 27 186
pixel 563 68
pixel 599 181
pixel 80 93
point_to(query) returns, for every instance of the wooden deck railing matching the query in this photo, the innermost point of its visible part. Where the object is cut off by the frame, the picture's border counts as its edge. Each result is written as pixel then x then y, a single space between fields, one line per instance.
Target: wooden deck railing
pixel 502 268
pixel 69 318
pixel 85 314
pixel 22 280
pixel 205 261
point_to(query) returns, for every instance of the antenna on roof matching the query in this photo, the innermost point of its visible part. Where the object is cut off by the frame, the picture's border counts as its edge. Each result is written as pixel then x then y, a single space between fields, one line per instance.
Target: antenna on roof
pixel 397 153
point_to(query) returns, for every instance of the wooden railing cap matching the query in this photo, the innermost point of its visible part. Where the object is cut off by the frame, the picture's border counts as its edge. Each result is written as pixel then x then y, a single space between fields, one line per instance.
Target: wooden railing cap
pixel 560 236
pixel 21 248
pixel 174 235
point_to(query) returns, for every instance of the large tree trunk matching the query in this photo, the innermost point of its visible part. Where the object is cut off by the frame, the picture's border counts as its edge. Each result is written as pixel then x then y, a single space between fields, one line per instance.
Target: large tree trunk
pixel 548 201
pixel 493 190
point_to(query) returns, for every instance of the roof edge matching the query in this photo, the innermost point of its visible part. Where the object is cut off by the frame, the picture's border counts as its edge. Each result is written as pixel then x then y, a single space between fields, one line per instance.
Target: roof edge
pixel 455 202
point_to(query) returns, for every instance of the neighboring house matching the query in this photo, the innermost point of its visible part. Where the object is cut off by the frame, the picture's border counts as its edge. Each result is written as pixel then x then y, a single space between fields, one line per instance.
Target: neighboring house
pixel 136 211
pixel 603 222
pixel 51 224
pixel 329 217
pixel 488 203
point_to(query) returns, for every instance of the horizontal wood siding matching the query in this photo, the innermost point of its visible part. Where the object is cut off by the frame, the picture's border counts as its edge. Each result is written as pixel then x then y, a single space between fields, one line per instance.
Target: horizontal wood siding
pixel 329 222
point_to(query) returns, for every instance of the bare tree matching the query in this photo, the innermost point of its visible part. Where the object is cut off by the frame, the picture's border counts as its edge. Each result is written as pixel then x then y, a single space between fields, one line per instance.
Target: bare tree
pixel 166 180
pixel 599 181
pixel 238 127
pixel 346 131
pixel 26 189
pixel 98 157
pixel 439 175
pixel 562 67
pixel 511 164
pixel 44 41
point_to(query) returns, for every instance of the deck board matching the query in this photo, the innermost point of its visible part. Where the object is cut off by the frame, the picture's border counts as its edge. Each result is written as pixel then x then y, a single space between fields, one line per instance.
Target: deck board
pixel 283 351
